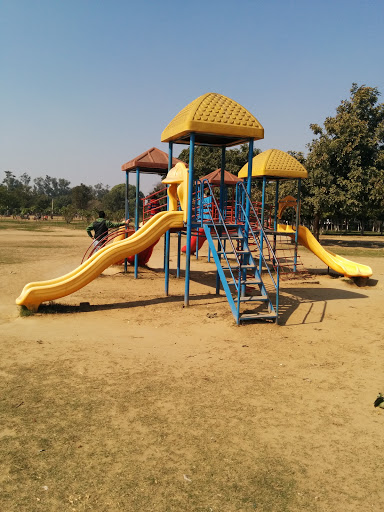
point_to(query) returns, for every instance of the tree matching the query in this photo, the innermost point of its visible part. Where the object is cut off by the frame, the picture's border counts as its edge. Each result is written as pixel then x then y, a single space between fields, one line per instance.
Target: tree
pixel 51 187
pixel 68 212
pixel 100 190
pixel 114 200
pixel 81 195
pixel 17 192
pixel 346 162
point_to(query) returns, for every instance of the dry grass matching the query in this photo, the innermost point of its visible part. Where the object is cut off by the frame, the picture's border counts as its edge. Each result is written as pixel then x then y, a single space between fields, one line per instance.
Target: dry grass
pixel 130 441
pixel 136 404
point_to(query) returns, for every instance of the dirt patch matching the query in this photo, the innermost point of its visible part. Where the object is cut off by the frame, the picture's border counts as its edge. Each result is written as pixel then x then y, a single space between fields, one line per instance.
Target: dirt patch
pixel 135 403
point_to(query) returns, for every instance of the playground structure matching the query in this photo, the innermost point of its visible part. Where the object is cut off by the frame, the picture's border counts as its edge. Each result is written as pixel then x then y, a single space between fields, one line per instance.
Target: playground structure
pixel 242 237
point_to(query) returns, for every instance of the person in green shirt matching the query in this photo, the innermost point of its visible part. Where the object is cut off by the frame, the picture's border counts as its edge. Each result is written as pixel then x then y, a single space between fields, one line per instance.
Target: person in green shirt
pixel 100 228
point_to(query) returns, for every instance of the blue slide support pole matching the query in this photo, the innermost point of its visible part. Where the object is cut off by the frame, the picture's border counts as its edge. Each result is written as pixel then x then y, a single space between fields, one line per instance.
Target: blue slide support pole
pixel 126 213
pixel 262 222
pixel 178 254
pixel 221 205
pixel 189 218
pixel 137 217
pixel 249 188
pixel 167 234
pixel 247 209
pixel 297 222
pixel 275 215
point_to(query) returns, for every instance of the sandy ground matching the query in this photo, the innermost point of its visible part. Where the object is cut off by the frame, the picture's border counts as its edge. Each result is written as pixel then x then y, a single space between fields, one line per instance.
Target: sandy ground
pixel 137 403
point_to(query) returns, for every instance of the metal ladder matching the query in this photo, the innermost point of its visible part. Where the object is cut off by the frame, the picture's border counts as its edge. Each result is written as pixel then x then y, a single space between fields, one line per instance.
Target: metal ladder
pixel 241 269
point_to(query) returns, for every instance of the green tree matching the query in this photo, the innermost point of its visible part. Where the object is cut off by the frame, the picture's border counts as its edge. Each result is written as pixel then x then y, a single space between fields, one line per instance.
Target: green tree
pixel 346 162
pixel 100 190
pixel 51 187
pixel 114 200
pixel 68 212
pixel 17 193
pixel 81 195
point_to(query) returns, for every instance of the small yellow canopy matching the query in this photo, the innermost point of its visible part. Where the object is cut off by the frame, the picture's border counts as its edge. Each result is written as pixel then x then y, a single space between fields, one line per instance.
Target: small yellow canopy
pixel 216 120
pixel 274 163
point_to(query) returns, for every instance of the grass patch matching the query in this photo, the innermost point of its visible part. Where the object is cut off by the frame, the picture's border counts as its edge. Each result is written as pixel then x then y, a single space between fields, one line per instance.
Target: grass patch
pixel 31 225
pixel 10 260
pixel 24 311
pixel 354 252
pixel 23 246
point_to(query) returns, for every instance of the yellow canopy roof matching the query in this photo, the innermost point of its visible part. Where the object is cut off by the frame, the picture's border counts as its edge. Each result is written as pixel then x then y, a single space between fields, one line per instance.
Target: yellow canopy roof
pixel 216 120
pixel 275 164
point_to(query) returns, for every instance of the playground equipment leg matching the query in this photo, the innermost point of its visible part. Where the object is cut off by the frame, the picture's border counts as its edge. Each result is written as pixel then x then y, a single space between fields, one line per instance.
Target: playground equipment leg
pixel 167 234
pixel 137 217
pixel 297 222
pixel 189 218
pixel 178 254
pixel 126 212
pixel 275 215
pixel 262 223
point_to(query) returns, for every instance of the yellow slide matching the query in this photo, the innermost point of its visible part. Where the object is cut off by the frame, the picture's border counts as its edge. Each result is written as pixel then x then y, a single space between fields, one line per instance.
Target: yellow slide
pixel 34 294
pixel 346 267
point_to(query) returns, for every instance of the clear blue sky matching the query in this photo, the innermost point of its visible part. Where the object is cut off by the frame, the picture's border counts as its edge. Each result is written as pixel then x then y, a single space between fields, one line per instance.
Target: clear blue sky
pixel 86 85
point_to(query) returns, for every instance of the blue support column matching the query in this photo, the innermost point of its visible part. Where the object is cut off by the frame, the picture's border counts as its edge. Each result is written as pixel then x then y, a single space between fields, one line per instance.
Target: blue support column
pixel 275 215
pixel 247 209
pixel 297 222
pixel 189 218
pixel 262 222
pixel 126 212
pixel 167 234
pixel 137 217
pixel 249 188
pixel 221 205
pixel 222 180
pixel 178 254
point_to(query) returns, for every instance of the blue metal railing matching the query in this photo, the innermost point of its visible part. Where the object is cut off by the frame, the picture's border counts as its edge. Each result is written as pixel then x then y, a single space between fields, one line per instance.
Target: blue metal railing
pixel 258 238
pixel 208 211
pixel 203 214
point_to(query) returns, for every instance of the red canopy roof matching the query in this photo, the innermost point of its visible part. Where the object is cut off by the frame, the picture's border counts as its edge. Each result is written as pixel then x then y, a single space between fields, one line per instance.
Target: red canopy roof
pixel 151 161
pixel 214 178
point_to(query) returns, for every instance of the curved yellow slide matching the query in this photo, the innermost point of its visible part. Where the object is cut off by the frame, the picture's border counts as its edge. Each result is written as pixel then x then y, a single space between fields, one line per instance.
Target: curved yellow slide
pixel 346 267
pixel 34 294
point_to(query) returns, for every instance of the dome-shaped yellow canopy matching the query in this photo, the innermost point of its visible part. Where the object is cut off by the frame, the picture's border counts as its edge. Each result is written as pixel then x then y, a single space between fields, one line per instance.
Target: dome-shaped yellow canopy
pixel 274 163
pixel 216 120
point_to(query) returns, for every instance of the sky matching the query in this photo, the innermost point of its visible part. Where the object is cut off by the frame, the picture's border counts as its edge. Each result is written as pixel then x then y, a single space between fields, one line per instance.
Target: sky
pixel 87 85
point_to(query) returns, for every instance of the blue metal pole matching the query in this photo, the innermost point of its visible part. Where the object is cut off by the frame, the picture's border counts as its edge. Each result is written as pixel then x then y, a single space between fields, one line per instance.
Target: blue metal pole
pixel 297 222
pixel 247 213
pixel 126 212
pixel 262 222
pixel 189 218
pixel 249 188
pixel 137 217
pixel 276 211
pixel 221 205
pixel 167 234
pixel 222 181
pixel 178 254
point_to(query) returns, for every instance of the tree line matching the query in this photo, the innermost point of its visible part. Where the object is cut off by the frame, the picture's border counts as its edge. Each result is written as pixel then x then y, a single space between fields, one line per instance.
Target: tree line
pixel 51 196
pixel 344 188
